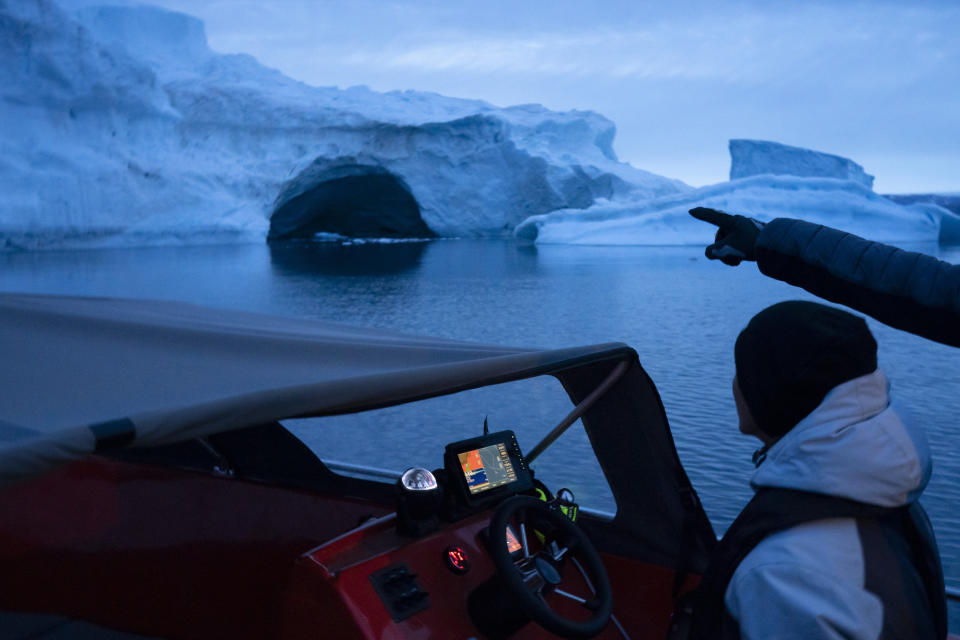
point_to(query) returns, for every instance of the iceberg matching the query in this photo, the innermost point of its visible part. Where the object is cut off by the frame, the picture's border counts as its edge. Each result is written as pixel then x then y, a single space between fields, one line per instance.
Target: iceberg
pixel 949 201
pixel 840 202
pixel 943 206
pixel 948 220
pixel 759 157
pixel 122 127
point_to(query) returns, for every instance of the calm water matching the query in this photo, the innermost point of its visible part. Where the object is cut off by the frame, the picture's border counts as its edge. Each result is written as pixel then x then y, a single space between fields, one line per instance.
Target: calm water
pixel 679 311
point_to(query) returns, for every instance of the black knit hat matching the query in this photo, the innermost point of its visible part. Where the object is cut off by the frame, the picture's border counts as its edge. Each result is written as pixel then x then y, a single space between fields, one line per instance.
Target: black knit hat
pixel 791 354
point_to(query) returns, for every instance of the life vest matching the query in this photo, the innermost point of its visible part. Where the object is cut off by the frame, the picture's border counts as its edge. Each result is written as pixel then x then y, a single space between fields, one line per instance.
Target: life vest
pixel 906 529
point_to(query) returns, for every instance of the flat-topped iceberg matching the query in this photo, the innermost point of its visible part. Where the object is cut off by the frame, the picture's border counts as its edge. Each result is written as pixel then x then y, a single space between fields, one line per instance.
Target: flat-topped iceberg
pixel 844 203
pixel 759 157
pixel 122 127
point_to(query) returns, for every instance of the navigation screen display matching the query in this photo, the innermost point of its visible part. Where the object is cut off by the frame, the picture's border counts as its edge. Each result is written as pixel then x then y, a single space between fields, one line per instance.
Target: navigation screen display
pixel 487 467
pixel 513 544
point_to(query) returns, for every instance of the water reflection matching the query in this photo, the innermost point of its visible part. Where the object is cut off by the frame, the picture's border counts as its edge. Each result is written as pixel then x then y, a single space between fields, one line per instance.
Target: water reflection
pixel 339 259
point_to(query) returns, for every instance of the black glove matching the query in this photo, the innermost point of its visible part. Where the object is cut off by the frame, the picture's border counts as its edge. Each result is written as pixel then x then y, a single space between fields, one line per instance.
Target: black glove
pixel 736 235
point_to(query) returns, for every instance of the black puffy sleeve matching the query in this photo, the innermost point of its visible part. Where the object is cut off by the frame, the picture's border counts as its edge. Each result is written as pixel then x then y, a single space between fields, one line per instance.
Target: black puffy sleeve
pixel 903 289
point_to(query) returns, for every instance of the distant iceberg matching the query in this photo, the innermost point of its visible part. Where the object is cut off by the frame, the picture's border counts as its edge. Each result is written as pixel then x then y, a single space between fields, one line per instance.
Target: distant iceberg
pixel 841 198
pixel 945 206
pixel 948 201
pixel 122 127
pixel 759 157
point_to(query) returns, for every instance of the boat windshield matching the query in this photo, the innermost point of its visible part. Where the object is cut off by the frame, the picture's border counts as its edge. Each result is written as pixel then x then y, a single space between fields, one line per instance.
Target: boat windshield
pixel 380 444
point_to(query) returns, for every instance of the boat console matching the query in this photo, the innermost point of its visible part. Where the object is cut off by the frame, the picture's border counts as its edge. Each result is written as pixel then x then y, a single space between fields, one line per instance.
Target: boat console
pixel 477 547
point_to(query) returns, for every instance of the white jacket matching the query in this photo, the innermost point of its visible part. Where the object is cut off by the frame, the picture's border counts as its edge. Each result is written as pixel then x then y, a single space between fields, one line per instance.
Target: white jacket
pixel 809 581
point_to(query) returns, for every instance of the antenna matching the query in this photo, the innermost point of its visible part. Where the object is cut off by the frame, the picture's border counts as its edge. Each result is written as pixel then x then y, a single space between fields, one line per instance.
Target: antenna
pixel 486 429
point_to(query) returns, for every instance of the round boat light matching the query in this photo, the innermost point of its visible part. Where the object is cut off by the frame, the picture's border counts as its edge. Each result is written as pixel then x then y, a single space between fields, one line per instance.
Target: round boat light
pixel 418 479
pixel 418 503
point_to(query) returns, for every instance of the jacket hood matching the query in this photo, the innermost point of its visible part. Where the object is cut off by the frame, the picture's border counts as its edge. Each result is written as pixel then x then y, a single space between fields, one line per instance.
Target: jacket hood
pixel 853 445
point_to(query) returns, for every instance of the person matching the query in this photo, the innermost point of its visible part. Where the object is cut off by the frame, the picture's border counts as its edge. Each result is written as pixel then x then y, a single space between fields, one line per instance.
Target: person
pixel 903 289
pixel 834 543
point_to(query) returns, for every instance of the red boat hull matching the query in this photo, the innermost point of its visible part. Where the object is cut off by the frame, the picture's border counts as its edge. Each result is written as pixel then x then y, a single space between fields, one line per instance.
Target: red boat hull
pixel 180 554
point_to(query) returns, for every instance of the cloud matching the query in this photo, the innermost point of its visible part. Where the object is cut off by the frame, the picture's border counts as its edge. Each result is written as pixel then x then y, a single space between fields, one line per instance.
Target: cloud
pixel 885 45
pixel 753 43
pixel 855 78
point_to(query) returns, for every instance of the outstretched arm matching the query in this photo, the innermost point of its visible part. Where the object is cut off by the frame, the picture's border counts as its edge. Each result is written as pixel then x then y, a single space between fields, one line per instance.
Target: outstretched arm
pixel 906 290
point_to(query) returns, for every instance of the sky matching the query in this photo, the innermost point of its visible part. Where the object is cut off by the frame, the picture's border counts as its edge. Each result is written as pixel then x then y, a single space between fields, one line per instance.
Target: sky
pixel 878 82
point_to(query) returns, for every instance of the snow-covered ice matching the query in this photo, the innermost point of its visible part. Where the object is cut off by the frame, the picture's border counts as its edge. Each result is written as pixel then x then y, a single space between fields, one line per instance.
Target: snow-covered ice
pixel 842 204
pixel 121 126
pixel 796 183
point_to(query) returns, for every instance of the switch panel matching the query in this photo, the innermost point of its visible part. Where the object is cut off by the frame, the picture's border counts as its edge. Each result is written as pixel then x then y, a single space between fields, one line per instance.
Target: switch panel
pixel 398 588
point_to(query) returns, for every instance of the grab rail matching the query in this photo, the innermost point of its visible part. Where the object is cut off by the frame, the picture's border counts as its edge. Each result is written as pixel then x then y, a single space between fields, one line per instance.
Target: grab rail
pixel 578 411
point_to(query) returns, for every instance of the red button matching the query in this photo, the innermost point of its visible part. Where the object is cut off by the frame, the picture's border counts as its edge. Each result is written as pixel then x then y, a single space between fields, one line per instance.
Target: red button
pixel 457 560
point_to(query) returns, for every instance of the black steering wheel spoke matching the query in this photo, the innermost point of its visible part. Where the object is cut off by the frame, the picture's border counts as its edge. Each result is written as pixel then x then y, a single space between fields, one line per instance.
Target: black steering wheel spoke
pixel 538 572
pixel 578 599
pixel 534 583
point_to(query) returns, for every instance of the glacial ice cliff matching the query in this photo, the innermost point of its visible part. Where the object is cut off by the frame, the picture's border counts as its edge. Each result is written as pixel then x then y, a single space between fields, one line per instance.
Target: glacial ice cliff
pixel 759 157
pixel 842 200
pixel 121 126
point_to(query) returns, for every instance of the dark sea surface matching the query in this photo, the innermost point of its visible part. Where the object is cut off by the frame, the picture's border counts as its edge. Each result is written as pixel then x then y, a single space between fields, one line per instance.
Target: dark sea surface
pixel 680 312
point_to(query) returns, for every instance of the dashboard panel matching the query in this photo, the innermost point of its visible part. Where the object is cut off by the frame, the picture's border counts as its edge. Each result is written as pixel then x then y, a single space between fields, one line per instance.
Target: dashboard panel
pixel 396 580
pixel 349 563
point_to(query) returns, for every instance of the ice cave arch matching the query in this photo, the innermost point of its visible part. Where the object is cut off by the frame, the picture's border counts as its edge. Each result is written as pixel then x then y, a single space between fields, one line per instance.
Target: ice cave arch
pixel 354 200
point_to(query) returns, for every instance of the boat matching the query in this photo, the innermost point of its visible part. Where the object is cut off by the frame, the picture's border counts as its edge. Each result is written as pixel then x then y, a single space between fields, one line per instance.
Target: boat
pixel 148 488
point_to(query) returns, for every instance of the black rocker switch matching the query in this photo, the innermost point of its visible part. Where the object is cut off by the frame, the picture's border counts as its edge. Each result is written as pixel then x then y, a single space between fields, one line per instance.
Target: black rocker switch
pixel 398 589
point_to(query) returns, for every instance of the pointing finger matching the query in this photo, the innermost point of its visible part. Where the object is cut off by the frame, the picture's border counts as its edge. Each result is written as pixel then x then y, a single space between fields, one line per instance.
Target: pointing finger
pixel 712 216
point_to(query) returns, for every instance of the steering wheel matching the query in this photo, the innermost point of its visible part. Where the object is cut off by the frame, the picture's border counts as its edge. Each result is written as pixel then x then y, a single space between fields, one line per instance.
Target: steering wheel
pixel 531 576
